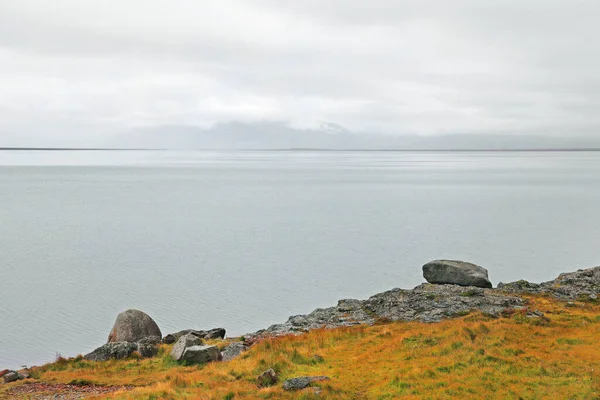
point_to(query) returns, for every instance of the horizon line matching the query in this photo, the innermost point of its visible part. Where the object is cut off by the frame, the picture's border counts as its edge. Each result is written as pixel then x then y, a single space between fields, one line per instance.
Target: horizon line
pixel 567 149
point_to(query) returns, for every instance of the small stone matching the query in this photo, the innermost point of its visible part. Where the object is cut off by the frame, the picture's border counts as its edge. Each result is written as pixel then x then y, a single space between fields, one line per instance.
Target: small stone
pixel 216 333
pixel 11 376
pixel 153 340
pixel 4 372
pixel 169 339
pixel 535 314
pixel 302 382
pixel 267 378
pixel 147 350
pixel 233 350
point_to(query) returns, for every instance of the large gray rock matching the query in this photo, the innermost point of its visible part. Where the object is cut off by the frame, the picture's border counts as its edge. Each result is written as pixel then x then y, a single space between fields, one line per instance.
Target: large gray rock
pixel 114 350
pixel 233 350
pixel 201 354
pixel 216 333
pixel 302 382
pixel 456 273
pixel 133 325
pixel 185 341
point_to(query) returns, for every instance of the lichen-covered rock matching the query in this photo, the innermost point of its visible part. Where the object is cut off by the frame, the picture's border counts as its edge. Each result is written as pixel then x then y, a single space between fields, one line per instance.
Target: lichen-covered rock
pixel 216 333
pixel 133 325
pixel 185 341
pixel 114 350
pixel 456 273
pixel 432 303
pixel 233 350
pixel 267 378
pixel 302 382
pixel 201 354
pixel 583 284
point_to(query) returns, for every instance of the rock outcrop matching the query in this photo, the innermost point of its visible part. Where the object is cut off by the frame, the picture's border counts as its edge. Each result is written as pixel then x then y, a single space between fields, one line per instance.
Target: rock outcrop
pixel 583 284
pixel 426 302
pixel 216 333
pixel 133 325
pixel 456 273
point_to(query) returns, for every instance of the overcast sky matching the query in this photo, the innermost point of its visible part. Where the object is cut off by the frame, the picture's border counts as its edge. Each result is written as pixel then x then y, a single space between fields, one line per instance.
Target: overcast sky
pixel 82 69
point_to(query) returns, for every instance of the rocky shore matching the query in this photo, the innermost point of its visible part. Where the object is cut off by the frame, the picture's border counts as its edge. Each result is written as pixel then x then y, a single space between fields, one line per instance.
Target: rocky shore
pixel 454 288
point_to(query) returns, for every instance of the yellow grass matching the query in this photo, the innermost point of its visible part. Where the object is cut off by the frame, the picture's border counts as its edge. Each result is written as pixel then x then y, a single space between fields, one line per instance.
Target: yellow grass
pixel 511 357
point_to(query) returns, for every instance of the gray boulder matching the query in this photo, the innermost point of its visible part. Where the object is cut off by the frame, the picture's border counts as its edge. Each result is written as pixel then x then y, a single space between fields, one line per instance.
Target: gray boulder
pixel 201 354
pixel 11 377
pixel 302 382
pixel 184 342
pixel 147 350
pixel 216 333
pixel 233 350
pixel 133 325
pixel 115 350
pixel 456 273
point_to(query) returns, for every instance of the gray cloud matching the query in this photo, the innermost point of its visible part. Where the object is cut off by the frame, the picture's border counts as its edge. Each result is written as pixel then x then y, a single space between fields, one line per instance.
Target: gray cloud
pixel 73 71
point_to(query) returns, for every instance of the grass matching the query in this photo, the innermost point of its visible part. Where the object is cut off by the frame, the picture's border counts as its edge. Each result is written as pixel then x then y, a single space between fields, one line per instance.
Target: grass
pixel 468 357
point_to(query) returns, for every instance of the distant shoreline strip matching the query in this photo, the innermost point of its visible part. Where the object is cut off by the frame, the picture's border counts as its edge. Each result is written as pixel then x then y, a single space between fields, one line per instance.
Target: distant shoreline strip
pixel 303 149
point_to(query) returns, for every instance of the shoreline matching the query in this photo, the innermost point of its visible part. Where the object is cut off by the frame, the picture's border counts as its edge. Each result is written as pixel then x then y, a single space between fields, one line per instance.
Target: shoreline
pixel 501 296
pixel 440 327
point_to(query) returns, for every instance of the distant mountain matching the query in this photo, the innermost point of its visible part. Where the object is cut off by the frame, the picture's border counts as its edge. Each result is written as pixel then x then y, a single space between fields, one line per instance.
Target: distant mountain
pixel 280 135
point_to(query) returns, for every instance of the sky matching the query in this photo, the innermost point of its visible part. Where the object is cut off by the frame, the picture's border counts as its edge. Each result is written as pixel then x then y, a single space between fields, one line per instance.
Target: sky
pixel 75 71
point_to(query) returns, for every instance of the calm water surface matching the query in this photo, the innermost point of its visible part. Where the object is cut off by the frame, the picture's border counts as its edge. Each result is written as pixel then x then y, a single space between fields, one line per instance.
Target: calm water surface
pixel 245 239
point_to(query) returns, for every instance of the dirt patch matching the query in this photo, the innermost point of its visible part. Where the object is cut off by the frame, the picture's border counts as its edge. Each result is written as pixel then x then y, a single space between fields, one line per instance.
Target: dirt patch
pixel 43 391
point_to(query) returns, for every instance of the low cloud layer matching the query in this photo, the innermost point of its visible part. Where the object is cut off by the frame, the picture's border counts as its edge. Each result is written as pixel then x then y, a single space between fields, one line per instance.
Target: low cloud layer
pixel 76 72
